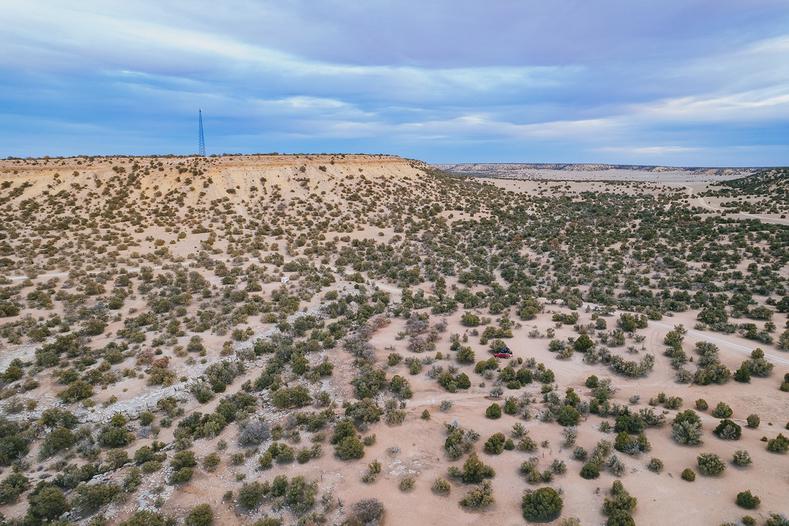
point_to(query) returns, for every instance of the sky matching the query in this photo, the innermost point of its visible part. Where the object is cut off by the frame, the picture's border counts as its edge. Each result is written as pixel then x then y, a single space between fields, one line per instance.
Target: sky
pixel 673 82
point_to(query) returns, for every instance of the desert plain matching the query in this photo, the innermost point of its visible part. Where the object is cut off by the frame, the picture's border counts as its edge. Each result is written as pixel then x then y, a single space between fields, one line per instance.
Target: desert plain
pixel 310 339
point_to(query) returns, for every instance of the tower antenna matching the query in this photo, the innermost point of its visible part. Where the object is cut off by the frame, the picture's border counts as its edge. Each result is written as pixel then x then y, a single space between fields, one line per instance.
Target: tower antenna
pixel 201 144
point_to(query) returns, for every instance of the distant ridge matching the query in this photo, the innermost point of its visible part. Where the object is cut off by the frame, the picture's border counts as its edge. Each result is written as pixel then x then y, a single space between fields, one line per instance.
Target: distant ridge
pixel 594 171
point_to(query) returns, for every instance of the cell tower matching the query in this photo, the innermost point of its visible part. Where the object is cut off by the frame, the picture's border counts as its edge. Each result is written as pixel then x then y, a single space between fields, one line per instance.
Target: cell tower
pixel 201 145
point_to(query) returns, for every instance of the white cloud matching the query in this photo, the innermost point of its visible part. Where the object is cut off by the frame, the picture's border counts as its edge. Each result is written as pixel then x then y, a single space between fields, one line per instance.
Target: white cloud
pixel 756 105
pixel 89 40
pixel 108 59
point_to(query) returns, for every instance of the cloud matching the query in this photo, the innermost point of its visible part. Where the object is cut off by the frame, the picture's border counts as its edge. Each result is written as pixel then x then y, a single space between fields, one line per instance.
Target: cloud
pixel 461 79
pixel 93 40
pixel 766 104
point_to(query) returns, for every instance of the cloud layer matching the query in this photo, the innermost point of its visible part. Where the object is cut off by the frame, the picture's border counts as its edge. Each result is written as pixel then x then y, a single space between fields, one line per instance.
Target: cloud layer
pixel 675 82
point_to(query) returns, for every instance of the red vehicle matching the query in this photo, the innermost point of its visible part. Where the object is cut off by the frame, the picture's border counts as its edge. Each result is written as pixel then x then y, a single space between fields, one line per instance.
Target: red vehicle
pixel 503 353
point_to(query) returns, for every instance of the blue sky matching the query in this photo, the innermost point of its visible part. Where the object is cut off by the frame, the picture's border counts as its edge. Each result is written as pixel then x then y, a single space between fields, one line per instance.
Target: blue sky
pixel 683 82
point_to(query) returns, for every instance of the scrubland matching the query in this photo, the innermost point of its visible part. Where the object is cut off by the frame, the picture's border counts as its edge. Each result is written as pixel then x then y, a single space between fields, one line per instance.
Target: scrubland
pixel 308 339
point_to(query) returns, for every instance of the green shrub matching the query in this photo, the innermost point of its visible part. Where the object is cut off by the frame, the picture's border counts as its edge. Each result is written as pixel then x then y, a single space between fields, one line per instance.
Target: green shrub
pixel 148 518
pixel 55 417
pixel 568 416
pixel 459 441
pixel 152 466
pixel 117 458
pixel 747 500
pixel 76 391
pixel 91 497
pixel 728 430
pixel 291 397
pixel 12 487
pixel 541 505
pixel 469 319
pixel 655 465
pixel 495 444
pixel 282 453
pixel 369 382
pixel 722 410
pixel 373 470
pixel 201 515
pixel 441 486
pixel 195 344
pixel 779 444
pixel 478 498
pixel 364 411
pixel 590 470
pixel 251 495
pixel 211 462
pixel 14 441
pixel 741 458
pixel 115 434
pixel 619 504
pixel 465 355
pixel 710 464
pixel 777 519
pixel 183 459
pixel 181 476
pixel 743 373
pixel 47 502
pixel 475 471
pixel 583 343
pixel 132 480
pixel 367 511
pixel 526 444
pixel 632 445
pixel 300 495
pixel 349 448
pixel 146 418
pixel 688 474
pixel 686 428
pixel 407 484
pixel 57 440
pixel 493 411
pixel 400 387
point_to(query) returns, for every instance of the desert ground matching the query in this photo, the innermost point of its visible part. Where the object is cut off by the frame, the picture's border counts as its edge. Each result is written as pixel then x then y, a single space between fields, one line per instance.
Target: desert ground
pixel 308 339
pixel 596 172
